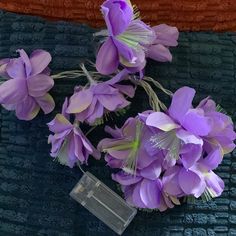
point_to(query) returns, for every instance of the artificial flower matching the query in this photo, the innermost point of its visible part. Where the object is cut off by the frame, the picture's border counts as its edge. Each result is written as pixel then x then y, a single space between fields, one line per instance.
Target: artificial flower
pixel 144 192
pixel 69 144
pixel 89 104
pixel 130 40
pixel 199 179
pixel 181 129
pixel 166 36
pixel 26 84
pixel 127 149
pixel 187 130
pixel 222 134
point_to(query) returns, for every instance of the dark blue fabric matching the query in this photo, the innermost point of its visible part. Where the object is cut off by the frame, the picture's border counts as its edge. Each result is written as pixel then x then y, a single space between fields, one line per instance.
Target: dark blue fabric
pixel 34 190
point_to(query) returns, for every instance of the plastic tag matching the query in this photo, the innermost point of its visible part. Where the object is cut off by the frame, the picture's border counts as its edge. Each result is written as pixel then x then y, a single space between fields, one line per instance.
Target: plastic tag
pixel 102 202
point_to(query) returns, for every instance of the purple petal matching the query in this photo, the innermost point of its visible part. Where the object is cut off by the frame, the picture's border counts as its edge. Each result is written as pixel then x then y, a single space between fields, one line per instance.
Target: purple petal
pixel 9 107
pixel 207 104
pixel 191 183
pixel 64 108
pixel 181 103
pixel 118 15
pixel 137 63
pixel 226 144
pixel 97 113
pixel 144 160
pixel 166 35
pixel 213 159
pixel 215 183
pixel 190 154
pixel 72 159
pixel 16 69
pixel 46 103
pixel 82 116
pixel 13 91
pixel 125 179
pixel 104 89
pixel 122 75
pixel 161 121
pixel 129 128
pixel 137 67
pixel 84 140
pixel 150 193
pixel 39 61
pixel 113 162
pixel 152 172
pixel 56 145
pixel 115 133
pixel 26 61
pixel 124 50
pixel 80 101
pixel 27 109
pixel 39 85
pixel 78 150
pixel 137 198
pixel 160 53
pixel 110 102
pixel 220 122
pixel 187 137
pixel 107 59
pixel 125 89
pixel 195 122
pixel 59 124
pixel 170 181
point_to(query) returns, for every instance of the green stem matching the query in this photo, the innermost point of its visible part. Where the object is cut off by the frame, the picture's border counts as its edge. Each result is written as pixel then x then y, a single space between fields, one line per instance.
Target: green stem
pixel 89 77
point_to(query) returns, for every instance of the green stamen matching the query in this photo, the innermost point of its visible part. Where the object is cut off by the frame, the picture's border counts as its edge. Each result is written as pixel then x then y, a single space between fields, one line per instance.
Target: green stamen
pixel 208 194
pixel 131 164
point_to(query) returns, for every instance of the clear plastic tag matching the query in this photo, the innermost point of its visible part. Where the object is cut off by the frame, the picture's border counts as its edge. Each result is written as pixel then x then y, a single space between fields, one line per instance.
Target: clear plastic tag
pixel 102 202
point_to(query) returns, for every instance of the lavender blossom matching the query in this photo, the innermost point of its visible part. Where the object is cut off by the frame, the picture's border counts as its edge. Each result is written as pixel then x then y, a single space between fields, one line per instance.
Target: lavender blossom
pixel 130 40
pixel 69 144
pixel 89 104
pixel 26 85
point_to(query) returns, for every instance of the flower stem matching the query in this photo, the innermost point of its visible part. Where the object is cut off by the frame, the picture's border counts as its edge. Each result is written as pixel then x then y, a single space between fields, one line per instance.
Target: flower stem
pixel 91 130
pixel 89 77
pixel 159 86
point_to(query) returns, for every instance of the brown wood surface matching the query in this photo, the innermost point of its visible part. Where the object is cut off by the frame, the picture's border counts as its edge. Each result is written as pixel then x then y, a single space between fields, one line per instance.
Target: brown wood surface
pixel 218 15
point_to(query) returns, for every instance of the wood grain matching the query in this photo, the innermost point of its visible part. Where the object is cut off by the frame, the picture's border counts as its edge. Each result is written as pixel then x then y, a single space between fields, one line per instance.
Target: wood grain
pixel 194 15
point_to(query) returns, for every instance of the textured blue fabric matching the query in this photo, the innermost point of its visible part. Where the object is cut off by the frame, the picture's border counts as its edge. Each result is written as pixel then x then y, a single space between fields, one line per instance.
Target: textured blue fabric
pixel 34 190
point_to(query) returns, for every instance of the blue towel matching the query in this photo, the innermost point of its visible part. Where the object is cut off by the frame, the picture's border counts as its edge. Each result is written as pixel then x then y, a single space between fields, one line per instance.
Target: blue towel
pixel 34 190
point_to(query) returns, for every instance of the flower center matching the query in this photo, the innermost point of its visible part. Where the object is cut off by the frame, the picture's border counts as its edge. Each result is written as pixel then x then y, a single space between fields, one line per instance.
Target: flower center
pixel 167 141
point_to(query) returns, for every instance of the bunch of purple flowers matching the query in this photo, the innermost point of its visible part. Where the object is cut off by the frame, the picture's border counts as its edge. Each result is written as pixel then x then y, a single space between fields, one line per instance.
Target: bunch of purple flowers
pixel 129 41
pixel 164 156
pixel 161 156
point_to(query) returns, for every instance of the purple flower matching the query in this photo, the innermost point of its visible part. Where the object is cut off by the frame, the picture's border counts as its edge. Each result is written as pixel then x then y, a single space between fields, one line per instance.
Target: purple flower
pixel 127 149
pixel 27 84
pixel 144 192
pixel 127 37
pixel 166 36
pixel 181 129
pixel 222 134
pixel 69 144
pixel 186 130
pixel 198 180
pixel 130 40
pixel 90 104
